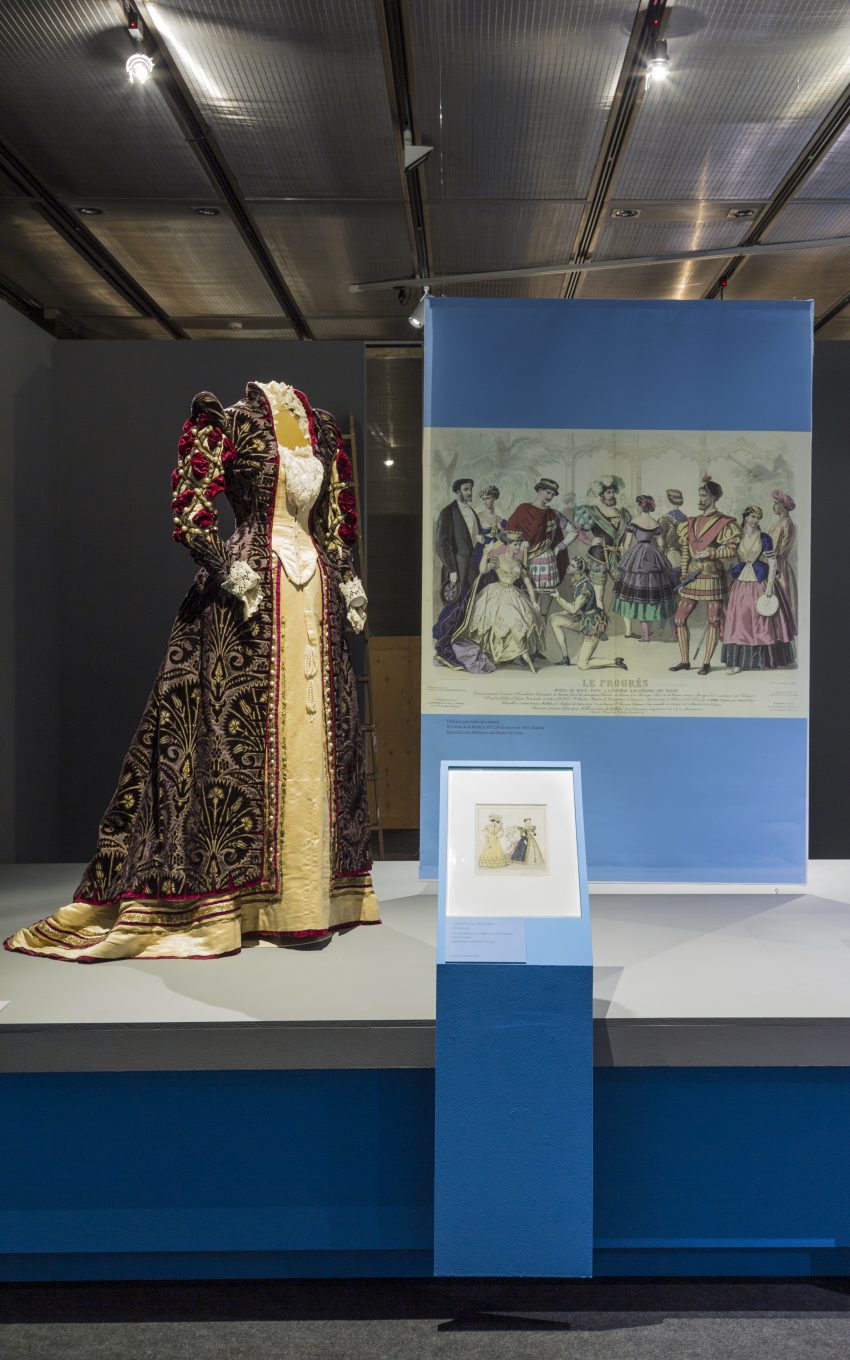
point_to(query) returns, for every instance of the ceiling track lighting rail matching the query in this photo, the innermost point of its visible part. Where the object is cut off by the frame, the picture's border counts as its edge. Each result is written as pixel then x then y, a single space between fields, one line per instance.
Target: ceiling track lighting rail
pixel 399 81
pixel 644 42
pixel 598 266
pixel 809 158
pixel 199 137
pixel 65 222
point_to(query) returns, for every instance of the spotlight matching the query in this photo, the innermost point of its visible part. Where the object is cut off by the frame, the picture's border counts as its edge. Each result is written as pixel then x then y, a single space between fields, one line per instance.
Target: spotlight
pixel 414 155
pixel 625 212
pixel 390 462
pixel 139 68
pixel 90 212
pixel 739 213
pixel 659 63
pixel 417 316
pixel 207 212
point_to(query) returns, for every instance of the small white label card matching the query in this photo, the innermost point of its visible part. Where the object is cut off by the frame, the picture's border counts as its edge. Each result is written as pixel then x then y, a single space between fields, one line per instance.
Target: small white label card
pixel 480 939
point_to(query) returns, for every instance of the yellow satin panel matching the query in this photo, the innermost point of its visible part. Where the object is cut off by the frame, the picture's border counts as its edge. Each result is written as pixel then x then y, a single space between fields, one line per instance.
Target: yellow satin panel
pixel 306 901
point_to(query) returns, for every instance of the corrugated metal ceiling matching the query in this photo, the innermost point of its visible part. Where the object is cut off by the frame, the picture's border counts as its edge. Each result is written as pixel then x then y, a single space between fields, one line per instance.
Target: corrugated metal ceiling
pixel 492 234
pixel 285 117
pixel 749 83
pixel 188 264
pixel 515 96
pixel 295 93
pixel 50 271
pixel 819 274
pixel 70 111
pixel 322 247
pixel 640 236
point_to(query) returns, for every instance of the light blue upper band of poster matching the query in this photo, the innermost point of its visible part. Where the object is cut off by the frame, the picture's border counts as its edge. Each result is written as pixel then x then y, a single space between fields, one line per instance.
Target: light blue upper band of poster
pixel 555 364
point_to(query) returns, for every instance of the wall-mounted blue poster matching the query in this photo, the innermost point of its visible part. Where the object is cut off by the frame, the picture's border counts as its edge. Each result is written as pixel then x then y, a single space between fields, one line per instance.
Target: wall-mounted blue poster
pixel 616 556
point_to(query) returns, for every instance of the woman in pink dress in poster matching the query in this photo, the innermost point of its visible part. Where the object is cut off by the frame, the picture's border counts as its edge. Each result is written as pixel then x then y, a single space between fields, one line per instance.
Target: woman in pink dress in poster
pixel 756 630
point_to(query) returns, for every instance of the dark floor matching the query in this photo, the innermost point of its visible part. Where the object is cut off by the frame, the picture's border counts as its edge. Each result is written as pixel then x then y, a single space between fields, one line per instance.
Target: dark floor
pixel 729 1319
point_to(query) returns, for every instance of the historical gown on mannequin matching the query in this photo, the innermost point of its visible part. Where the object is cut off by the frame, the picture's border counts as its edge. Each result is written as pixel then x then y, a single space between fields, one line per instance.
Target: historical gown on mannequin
pixel 241 813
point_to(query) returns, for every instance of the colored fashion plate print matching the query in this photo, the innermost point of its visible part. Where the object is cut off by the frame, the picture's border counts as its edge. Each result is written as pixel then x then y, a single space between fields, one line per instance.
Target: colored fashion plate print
pixel 627 572
pixel 511 839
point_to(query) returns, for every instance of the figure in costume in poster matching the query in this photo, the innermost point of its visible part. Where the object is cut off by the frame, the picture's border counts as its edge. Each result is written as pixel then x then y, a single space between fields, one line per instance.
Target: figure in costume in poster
pixel 522 605
pixel 241 813
pixel 547 534
pixel 708 542
pixel 450 652
pixel 784 534
pixel 645 585
pixel 493 527
pixel 458 531
pixel 604 525
pixel 502 621
pixel 670 520
pixel 756 629
pixel 582 615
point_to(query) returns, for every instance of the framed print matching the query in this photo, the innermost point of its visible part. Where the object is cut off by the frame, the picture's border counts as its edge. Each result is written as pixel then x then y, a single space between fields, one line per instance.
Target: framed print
pixel 512 842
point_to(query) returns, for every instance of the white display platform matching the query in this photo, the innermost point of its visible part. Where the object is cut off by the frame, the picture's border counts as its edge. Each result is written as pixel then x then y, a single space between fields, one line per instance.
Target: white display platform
pixel 681 979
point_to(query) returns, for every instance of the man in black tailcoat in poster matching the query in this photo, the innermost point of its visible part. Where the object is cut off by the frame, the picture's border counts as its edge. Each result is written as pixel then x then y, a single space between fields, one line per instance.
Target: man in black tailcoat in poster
pixel 458 531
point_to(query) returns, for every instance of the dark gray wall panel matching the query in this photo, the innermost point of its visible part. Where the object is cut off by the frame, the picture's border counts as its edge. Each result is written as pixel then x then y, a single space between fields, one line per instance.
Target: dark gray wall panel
pixel 28 690
pixel 829 743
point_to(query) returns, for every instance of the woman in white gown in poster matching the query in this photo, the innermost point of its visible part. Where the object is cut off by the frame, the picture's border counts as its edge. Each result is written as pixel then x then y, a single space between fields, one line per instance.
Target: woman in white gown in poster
pixel 502 618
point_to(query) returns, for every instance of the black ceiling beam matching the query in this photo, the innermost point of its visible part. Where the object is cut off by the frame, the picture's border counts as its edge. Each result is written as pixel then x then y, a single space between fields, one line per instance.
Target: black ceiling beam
pixel 813 152
pixel 68 225
pixel 648 27
pixel 200 138
pixel 400 88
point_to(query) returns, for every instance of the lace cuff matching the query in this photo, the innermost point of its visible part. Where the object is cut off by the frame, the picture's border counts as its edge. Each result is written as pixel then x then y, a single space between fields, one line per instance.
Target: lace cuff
pixel 244 583
pixel 355 603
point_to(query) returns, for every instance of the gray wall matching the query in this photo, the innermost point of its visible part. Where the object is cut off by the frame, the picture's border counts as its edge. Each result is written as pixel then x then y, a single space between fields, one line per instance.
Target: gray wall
pixel 118 576
pixel 28 732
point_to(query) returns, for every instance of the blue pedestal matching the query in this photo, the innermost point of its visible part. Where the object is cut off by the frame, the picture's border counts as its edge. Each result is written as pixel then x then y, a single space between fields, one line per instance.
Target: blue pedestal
pixel 514 1103
pixel 513 1180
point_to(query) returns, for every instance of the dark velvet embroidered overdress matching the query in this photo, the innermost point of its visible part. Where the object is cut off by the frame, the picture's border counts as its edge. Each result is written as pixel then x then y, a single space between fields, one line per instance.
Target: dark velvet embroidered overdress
pixel 190 852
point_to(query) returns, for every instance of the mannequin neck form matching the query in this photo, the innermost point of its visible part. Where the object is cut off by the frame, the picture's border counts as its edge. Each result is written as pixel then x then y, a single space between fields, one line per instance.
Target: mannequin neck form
pixel 290 433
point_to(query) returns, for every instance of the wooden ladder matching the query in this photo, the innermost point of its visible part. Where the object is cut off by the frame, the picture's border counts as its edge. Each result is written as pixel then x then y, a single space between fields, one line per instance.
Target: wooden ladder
pixel 364 680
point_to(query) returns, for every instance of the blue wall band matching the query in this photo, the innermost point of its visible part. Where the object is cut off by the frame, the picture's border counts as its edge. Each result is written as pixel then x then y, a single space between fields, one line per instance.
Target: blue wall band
pixel 704 800
pixel 696 1171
